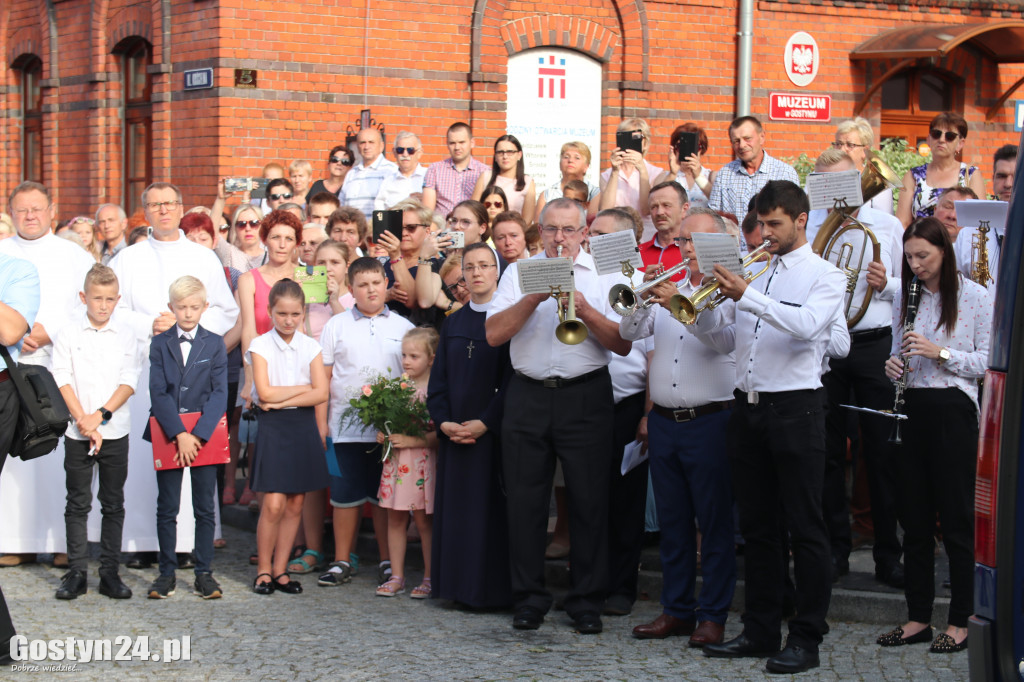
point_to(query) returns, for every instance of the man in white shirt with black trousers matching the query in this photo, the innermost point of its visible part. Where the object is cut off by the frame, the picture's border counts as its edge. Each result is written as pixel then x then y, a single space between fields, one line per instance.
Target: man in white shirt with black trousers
pixel 776 437
pixel 562 406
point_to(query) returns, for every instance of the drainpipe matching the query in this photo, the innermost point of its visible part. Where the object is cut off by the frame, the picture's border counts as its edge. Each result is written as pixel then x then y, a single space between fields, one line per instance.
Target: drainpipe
pixel 744 57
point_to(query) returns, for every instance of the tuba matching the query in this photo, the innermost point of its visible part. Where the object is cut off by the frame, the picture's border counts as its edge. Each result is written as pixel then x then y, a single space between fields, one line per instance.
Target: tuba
pixel 979 255
pixel 876 178
pixel 569 331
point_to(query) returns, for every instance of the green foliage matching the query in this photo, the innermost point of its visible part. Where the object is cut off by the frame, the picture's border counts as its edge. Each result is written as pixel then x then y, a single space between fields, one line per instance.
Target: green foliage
pixel 803 165
pixel 388 405
pixel 895 152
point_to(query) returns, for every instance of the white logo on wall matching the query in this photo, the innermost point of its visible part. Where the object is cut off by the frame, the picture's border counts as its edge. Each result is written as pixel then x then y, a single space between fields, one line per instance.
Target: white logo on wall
pixel 554 97
pixel 802 58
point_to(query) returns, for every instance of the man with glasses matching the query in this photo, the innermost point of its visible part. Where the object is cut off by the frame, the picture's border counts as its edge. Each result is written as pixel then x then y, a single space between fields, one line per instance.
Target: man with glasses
pixel 669 205
pixel 451 181
pixel 145 272
pixel 364 180
pixel 408 177
pixel 745 176
pixel 112 223
pixel 38 526
pixel 564 409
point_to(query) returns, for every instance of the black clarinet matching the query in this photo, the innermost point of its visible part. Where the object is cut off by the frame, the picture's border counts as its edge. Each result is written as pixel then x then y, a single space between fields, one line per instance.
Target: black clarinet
pixel 913 298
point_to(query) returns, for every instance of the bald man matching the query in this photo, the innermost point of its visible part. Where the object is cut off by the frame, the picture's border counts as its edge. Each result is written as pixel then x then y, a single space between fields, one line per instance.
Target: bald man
pixel 363 182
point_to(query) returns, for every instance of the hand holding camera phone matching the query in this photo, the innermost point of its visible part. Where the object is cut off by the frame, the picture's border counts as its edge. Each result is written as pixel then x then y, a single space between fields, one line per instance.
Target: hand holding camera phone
pixel 387 221
pixel 686 146
pixel 235 185
pixel 630 140
pixel 456 237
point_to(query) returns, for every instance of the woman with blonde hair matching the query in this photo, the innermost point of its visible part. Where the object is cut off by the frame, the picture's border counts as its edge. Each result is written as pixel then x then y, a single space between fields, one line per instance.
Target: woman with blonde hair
pixel 855 137
pixel 628 181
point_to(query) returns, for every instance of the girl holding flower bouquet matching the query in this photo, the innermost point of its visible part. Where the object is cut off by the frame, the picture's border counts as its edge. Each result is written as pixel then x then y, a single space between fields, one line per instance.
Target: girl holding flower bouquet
pixel 407 481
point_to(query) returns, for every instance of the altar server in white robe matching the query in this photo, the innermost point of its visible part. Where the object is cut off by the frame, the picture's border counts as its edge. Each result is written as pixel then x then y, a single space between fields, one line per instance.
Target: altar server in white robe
pixel 145 272
pixel 32 493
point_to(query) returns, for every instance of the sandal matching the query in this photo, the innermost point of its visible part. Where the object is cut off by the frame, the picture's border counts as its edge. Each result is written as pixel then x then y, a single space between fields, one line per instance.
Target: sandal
pixel 220 543
pixel 896 638
pixel 229 495
pixel 421 591
pixel 263 588
pixel 301 566
pixel 392 588
pixel 944 644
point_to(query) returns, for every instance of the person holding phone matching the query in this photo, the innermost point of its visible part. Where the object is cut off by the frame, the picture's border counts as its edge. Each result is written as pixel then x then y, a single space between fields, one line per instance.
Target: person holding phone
pixel 687 147
pixel 628 181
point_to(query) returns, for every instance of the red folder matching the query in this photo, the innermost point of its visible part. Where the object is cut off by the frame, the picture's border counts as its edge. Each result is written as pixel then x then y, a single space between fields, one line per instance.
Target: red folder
pixel 214 452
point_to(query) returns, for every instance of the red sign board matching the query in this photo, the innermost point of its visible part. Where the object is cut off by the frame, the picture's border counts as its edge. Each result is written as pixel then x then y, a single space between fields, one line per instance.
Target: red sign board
pixel 787 106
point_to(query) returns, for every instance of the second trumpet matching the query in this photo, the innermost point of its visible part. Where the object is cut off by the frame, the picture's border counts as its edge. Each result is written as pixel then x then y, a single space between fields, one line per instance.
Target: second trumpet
pixel 707 297
pixel 625 300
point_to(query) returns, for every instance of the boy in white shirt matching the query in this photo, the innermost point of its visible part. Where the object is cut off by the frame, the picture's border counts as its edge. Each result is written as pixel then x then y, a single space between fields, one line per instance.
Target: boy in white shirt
pixel 96 365
pixel 366 338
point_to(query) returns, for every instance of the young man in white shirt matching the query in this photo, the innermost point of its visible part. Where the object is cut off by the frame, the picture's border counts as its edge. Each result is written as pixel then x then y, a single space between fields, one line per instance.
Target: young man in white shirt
pixel 96 365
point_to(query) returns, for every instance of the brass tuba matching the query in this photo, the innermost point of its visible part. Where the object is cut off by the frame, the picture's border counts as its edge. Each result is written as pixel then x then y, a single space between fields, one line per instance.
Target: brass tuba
pixel 876 178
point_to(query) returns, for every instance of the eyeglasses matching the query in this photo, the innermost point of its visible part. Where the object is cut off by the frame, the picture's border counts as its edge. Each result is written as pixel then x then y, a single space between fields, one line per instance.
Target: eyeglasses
pixel 155 206
pixel 343 160
pixel 405 150
pixel 413 227
pixel 937 134
pixel 460 223
pixel 22 212
pixel 683 240
pixel 483 267
pixel 460 283
pixel 242 224
pixel 505 152
pixel 847 145
pixel 278 197
pixel 566 231
pixel 494 204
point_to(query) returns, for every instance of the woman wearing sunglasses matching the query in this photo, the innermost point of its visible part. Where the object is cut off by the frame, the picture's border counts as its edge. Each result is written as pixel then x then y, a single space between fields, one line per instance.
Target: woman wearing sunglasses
pixel 923 185
pixel 339 162
pixel 508 172
pixel 495 201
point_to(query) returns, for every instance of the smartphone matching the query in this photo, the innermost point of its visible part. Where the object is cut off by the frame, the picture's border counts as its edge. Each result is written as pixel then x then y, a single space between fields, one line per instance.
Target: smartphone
pixel 387 221
pixel 686 146
pixel 258 188
pixel 458 238
pixel 630 139
pixel 233 185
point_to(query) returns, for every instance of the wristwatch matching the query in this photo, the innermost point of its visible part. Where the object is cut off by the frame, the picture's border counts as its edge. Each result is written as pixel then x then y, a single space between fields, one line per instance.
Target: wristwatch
pixel 943 355
pixel 106 414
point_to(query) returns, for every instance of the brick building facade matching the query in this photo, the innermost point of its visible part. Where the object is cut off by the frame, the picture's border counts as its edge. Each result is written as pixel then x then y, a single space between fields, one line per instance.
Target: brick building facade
pixel 94 99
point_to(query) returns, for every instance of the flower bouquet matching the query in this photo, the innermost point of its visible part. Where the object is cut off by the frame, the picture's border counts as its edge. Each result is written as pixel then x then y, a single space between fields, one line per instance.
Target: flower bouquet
pixel 388 405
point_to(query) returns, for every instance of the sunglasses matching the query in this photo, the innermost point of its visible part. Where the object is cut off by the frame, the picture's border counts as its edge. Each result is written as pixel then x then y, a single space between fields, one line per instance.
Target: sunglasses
pixel 937 134
pixel 242 224
pixel 405 150
pixel 494 204
pixel 278 197
pixel 341 159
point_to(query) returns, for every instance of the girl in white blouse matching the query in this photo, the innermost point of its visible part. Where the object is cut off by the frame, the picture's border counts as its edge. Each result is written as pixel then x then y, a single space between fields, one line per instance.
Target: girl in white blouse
pixel 945 353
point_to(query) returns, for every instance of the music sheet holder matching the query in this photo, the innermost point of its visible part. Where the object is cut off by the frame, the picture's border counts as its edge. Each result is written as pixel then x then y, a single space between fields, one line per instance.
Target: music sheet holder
pixel 214 452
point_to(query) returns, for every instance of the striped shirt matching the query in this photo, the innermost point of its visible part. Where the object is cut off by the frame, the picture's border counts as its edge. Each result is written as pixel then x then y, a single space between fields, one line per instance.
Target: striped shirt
pixel 363 182
pixel 451 184
pixel 734 187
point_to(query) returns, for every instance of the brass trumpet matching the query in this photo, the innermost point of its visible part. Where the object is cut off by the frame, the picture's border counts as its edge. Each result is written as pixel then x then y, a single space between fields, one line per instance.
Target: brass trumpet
pixel 569 331
pixel 707 297
pixel 625 300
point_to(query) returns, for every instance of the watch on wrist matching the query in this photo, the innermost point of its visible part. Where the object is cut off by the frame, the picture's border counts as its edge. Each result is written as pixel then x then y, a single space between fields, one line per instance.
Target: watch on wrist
pixel 943 355
pixel 105 414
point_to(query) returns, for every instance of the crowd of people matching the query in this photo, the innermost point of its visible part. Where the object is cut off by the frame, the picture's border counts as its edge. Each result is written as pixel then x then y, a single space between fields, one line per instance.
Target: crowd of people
pixel 146 320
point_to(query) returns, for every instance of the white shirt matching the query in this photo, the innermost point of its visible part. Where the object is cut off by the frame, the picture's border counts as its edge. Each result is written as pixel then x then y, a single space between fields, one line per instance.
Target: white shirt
pixel 694 194
pixel 94 363
pixel 287 362
pixel 62 267
pixel 685 372
pixel 363 182
pixel 186 348
pixel 782 323
pixel 357 348
pixel 963 249
pixel 397 187
pixel 888 230
pixel 534 349
pixel 968 346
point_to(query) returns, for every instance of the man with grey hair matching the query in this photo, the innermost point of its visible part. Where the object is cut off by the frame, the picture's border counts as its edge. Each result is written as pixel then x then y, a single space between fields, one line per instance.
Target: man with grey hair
pixel 112 221
pixel 407 179
pixel 565 410
pixel 363 182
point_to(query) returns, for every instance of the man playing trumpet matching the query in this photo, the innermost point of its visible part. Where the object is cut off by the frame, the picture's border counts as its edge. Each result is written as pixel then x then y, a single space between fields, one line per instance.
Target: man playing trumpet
pixel 563 408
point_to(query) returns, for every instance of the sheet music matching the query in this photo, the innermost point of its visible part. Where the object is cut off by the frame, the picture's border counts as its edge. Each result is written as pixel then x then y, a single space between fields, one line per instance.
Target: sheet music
pixel 609 250
pixel 717 248
pixel 970 213
pixel 824 188
pixel 537 276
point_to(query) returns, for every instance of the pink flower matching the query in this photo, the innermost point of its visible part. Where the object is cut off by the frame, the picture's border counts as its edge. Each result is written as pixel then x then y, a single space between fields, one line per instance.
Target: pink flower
pixel 367 391
pixel 404 385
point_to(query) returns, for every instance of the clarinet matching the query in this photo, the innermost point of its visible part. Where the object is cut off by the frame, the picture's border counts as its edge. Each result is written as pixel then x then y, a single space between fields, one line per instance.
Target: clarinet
pixel 913 297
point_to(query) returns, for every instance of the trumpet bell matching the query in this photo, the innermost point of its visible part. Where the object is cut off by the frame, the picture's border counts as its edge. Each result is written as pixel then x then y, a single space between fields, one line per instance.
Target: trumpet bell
pixel 682 309
pixel 572 332
pixel 622 299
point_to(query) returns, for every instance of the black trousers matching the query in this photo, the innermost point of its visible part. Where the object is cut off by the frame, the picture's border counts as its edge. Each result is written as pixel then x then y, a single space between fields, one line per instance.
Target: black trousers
pixel 574 424
pixel 937 464
pixel 112 464
pixel 627 502
pixel 777 457
pixel 9 408
pixel 859 379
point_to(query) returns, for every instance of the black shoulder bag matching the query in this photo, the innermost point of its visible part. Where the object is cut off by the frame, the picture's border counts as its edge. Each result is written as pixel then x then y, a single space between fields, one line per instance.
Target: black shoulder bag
pixel 44 415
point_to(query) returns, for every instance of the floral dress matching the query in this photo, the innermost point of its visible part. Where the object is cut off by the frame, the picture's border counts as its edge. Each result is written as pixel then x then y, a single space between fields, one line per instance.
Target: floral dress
pixel 926 197
pixel 407 481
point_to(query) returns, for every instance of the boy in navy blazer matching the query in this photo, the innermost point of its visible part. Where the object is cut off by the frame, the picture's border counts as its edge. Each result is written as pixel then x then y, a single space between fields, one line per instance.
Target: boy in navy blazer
pixel 188 373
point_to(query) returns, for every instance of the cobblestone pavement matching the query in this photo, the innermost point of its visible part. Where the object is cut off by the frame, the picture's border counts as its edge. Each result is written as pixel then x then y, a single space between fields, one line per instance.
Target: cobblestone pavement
pixel 348 633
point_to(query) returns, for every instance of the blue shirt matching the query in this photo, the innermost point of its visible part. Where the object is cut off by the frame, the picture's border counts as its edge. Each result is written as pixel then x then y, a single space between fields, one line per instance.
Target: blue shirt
pixel 734 187
pixel 19 288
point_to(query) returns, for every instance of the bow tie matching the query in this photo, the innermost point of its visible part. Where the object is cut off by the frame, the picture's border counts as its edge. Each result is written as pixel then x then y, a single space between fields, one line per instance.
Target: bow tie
pixel 185 338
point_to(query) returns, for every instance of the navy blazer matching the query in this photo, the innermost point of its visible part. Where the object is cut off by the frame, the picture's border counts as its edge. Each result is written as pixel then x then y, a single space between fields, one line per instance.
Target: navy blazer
pixel 176 388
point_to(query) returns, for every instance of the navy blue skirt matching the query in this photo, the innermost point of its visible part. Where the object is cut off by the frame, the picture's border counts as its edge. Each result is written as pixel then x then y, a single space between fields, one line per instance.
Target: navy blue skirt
pixel 289 456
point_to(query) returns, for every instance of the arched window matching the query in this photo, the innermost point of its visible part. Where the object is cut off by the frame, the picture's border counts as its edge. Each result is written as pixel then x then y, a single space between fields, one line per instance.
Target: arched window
pixel 910 100
pixel 31 69
pixel 137 113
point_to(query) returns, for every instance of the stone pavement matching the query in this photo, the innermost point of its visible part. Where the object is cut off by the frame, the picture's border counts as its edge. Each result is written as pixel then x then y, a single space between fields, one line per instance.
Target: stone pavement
pixel 348 633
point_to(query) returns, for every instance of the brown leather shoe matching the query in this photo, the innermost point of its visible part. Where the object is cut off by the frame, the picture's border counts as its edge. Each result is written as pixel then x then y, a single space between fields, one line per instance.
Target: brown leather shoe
pixel 708 632
pixel 664 626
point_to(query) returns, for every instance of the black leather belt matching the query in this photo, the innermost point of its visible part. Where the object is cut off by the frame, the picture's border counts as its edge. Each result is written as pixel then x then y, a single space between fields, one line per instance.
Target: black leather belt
pixel 685 414
pixel 4 376
pixel 754 398
pixel 559 382
pixel 871 334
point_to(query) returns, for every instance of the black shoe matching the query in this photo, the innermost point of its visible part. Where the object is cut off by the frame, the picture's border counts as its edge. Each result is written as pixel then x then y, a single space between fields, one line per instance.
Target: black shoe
pixel 740 647
pixel 112 586
pixel 263 588
pixel 527 618
pixel 206 587
pixel 72 585
pixel 290 587
pixel 617 605
pixel 840 567
pixel 792 659
pixel 185 560
pixel 588 623
pixel 141 560
pixel 893 577
pixel 162 587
